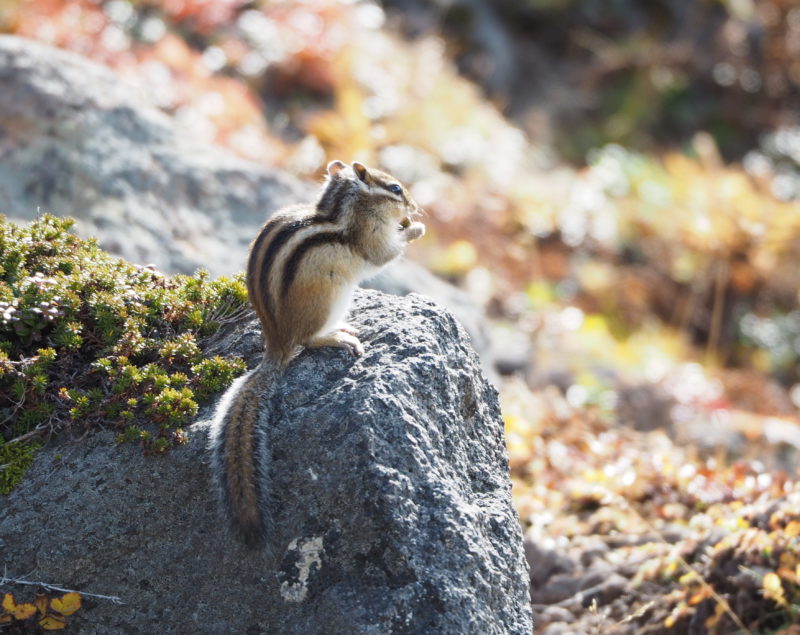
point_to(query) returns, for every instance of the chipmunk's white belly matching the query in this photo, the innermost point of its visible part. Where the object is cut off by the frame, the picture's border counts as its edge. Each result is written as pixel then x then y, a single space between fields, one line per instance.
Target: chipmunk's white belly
pixel 339 308
pixel 344 298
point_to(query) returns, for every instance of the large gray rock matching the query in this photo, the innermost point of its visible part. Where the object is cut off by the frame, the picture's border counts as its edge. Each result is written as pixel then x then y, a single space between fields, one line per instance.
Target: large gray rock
pixel 390 489
pixel 75 140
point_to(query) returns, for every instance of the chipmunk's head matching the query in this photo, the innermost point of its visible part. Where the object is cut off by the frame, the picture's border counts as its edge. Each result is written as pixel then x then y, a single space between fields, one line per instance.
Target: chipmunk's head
pixel 373 191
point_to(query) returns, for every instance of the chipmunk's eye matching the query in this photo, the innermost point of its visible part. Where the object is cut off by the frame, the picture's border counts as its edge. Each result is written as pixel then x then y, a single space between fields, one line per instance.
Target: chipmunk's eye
pixel 394 188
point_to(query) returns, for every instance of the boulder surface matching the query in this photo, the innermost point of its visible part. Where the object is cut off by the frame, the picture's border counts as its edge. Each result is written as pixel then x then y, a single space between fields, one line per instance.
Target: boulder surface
pixel 76 140
pixel 390 492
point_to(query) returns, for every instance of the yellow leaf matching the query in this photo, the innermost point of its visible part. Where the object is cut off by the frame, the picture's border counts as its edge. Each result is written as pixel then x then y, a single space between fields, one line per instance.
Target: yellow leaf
pixel 24 611
pixel 772 583
pixel 792 529
pixel 670 568
pixel 688 577
pixel 773 589
pixel 19 611
pixel 67 604
pixel 52 622
pixel 698 597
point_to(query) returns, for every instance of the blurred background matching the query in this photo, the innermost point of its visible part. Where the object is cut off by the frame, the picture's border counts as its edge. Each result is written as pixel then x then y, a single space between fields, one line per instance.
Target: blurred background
pixel 616 185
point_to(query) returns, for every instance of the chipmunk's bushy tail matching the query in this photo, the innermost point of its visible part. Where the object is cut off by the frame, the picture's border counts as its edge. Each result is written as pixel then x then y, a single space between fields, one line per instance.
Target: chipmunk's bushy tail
pixel 240 458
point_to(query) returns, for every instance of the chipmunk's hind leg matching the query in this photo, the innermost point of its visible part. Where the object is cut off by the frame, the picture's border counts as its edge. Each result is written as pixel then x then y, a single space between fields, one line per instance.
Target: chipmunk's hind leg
pixel 346 328
pixel 335 331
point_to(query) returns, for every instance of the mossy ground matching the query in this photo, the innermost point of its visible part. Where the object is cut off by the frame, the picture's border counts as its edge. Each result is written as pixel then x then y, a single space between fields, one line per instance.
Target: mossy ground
pixel 89 340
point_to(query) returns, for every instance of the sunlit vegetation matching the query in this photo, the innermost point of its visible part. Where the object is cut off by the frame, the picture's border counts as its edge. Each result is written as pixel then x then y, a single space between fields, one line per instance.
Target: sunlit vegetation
pixel 89 340
pixel 631 224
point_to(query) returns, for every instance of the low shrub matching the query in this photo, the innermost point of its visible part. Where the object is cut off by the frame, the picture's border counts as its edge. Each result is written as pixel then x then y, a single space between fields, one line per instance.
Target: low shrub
pixel 89 340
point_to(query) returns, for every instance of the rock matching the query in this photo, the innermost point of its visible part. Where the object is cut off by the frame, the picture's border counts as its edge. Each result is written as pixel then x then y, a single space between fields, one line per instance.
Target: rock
pixel 403 277
pixel 645 407
pixel 592 549
pixel 563 628
pixel 577 592
pixel 544 563
pixel 604 592
pixel 562 586
pixel 76 140
pixel 548 614
pixel 390 488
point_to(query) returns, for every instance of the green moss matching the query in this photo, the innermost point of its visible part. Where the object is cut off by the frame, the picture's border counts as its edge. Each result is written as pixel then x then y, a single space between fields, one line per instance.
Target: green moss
pixel 87 339
pixel 15 458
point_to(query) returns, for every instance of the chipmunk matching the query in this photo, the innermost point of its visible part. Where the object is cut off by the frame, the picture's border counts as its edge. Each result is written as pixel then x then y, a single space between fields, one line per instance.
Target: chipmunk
pixel 301 273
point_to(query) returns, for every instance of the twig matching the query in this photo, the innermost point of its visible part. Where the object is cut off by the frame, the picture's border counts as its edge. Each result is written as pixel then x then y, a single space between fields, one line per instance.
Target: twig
pixel 53 587
pixel 36 432
pixel 689 305
pixel 636 614
pixel 719 304
pixel 17 406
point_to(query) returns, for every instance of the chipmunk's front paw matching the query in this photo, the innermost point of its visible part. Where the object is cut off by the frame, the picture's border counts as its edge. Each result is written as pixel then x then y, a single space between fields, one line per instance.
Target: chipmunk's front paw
pixel 351 344
pixel 413 231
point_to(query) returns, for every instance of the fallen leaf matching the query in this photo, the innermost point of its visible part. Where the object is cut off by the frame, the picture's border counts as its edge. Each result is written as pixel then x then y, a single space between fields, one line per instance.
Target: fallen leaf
pixel 773 589
pixel 792 529
pixel 52 622
pixel 67 604
pixel 702 594
pixel 19 611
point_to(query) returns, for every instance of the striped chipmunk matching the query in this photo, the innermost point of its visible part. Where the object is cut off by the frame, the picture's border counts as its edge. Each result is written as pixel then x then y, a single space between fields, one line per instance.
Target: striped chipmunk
pixel 301 273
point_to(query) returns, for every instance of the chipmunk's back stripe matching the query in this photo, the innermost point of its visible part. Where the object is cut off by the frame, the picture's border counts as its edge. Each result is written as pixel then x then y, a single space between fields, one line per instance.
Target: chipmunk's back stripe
pixel 293 261
pixel 271 252
pixel 253 280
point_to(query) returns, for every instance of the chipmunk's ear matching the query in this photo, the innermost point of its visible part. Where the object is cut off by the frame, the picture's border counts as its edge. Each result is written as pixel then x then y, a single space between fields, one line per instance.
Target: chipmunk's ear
pixel 361 170
pixel 334 167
